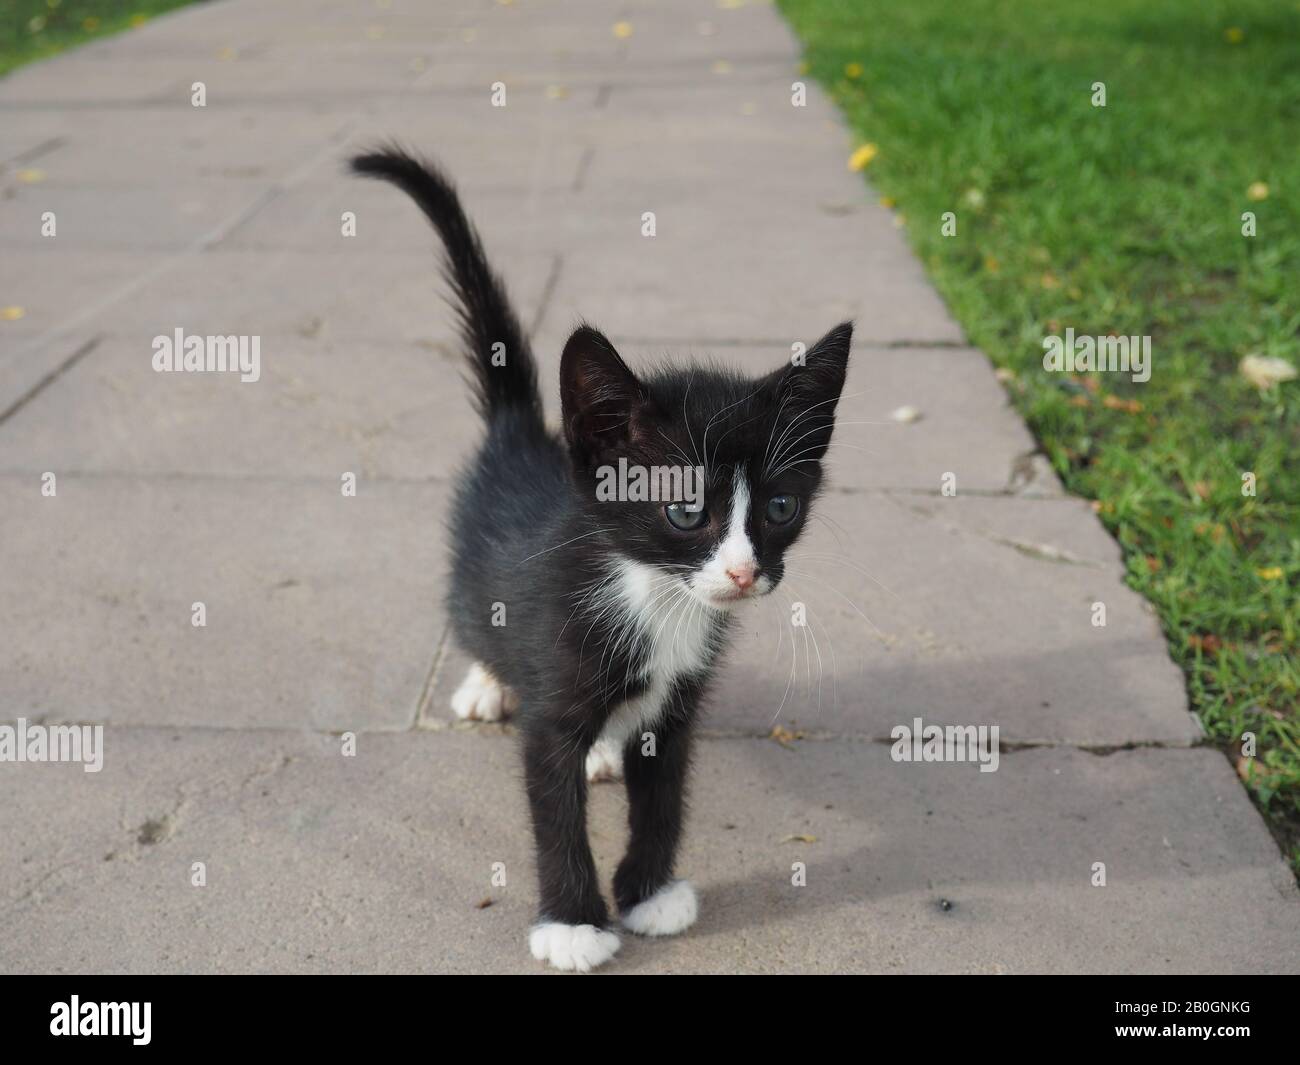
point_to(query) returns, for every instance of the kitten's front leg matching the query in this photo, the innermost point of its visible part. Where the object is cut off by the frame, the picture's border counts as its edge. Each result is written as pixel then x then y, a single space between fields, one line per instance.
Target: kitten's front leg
pixel 650 901
pixel 571 930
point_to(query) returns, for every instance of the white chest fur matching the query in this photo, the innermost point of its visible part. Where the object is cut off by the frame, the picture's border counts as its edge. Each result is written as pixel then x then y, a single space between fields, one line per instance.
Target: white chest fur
pixel 677 636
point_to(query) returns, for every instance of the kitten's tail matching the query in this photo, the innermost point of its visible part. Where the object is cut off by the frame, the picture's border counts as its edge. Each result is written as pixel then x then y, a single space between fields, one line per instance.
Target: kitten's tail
pixel 503 370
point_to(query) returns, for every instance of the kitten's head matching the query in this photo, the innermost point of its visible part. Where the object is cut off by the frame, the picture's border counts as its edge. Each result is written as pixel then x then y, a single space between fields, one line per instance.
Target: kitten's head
pixel 758 442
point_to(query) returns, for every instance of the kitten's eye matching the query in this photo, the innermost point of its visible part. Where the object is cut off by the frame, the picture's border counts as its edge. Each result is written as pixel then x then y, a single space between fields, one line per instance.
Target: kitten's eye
pixel 782 509
pixel 680 517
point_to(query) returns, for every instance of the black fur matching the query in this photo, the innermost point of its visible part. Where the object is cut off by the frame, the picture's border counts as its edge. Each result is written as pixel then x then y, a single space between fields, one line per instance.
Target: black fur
pixel 529 533
pixel 482 308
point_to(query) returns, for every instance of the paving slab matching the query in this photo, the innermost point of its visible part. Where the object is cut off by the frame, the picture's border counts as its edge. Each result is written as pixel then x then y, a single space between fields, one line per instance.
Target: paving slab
pixel 397 410
pixel 383 861
pixel 42 282
pixel 360 296
pixel 353 296
pixel 47 86
pixel 161 216
pixel 711 290
pixel 117 147
pixel 59 298
pixel 321 610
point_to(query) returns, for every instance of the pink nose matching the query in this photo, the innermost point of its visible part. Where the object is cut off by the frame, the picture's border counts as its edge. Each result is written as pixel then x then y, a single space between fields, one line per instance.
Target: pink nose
pixel 742 577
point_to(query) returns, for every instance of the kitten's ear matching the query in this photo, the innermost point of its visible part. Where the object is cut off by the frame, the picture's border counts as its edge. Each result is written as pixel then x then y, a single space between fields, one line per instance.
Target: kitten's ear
pixel 821 377
pixel 605 409
pixel 809 393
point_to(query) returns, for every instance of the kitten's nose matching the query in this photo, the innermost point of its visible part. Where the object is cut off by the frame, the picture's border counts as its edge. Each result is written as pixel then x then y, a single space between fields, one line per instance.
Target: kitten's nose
pixel 741 576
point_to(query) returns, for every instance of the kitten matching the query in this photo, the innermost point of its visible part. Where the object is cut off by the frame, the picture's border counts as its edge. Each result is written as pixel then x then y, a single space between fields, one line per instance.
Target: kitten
pixel 615 611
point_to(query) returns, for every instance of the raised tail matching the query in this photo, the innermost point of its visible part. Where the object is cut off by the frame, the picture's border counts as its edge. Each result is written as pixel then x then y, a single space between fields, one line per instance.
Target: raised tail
pixel 503 371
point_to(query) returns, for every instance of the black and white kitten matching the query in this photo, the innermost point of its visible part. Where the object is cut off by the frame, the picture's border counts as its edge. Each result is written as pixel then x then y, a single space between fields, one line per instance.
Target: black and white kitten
pixel 614 612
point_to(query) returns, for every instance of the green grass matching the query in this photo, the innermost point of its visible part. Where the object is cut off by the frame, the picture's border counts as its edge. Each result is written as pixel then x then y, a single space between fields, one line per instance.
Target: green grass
pixel 1122 219
pixel 33 29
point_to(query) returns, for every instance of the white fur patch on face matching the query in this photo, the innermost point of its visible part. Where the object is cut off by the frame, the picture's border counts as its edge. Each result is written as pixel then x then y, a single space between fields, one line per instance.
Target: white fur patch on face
pixel 481 697
pixel 572 946
pixel 735 554
pixel 671 909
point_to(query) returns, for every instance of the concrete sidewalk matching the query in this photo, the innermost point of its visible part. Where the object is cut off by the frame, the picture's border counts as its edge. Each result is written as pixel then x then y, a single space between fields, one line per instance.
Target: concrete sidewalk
pixel 323 611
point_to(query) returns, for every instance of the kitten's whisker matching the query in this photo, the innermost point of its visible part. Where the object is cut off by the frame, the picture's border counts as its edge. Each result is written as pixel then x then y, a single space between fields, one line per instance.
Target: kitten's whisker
pixel 821 669
pixel 816 459
pixel 547 551
pixel 835 532
pixel 652 631
pixel 776 422
pixel 718 414
pixel 829 557
pixel 687 422
pixel 821 428
pixel 835 672
pixel 803 415
pixel 623 631
pixel 790 682
pixel 813 577
pixel 593 587
pixel 830 421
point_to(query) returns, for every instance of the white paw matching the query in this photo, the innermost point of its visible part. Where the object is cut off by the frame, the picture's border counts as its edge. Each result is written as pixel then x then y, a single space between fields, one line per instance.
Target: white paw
pixel 604 761
pixel 572 946
pixel 669 910
pixel 481 697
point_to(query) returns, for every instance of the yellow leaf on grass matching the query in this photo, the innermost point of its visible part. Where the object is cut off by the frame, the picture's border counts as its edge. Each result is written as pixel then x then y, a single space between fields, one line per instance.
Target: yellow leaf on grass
pixel 1234 35
pixel 1270 573
pixel 853 70
pixel 860 158
pixel 1257 191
